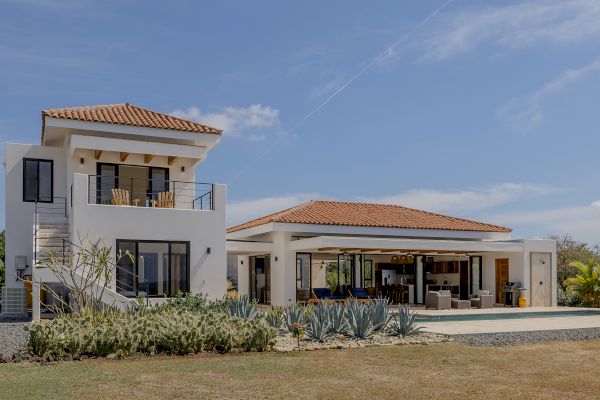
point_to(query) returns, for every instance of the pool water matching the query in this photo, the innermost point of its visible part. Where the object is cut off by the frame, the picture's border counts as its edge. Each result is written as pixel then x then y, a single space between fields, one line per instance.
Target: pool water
pixel 507 315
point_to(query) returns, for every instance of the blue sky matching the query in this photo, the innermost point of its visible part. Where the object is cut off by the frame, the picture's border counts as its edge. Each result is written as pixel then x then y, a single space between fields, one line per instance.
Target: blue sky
pixel 482 109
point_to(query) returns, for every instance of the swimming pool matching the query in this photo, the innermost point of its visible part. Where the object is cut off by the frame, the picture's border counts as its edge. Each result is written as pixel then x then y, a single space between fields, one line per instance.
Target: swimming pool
pixel 507 315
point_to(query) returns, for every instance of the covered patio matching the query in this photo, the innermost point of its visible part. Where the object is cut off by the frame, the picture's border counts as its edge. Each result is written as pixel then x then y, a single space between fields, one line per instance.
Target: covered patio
pixel 328 250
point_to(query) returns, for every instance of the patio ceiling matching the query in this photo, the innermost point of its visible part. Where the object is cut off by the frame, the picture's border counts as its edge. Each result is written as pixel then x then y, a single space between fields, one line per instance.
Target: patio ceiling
pixel 125 147
pixel 414 246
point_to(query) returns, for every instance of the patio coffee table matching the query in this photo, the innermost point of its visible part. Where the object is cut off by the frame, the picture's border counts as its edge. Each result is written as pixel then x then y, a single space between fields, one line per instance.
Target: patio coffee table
pixel 460 304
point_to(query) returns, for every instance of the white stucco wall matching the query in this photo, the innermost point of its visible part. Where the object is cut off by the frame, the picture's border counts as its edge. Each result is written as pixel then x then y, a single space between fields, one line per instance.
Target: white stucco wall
pixel 203 229
pixel 19 214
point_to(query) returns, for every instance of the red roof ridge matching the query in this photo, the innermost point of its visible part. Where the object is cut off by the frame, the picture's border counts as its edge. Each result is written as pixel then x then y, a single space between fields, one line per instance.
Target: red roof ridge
pixel 359 216
pixel 130 115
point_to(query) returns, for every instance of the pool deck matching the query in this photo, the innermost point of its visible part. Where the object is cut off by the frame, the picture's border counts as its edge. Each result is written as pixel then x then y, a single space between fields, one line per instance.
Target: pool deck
pixel 508 325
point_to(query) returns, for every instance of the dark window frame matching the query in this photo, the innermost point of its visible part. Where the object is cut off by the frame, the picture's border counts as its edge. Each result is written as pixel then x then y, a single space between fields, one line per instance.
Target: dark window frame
pixel 299 278
pixel 37 200
pixel 136 243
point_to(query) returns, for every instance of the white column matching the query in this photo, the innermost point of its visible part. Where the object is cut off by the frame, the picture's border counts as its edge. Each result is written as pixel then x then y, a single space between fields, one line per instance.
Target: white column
pixel 283 271
pixel 35 298
pixel 243 275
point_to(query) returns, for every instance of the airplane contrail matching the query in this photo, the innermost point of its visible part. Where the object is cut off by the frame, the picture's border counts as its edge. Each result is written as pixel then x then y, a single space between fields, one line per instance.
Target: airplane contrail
pixel 361 71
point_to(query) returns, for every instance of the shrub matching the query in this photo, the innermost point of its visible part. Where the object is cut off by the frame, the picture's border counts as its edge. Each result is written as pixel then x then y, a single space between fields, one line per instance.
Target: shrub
pixel 319 329
pixel 568 299
pixel 586 283
pixel 161 329
pixel 360 317
pixel 337 318
pixel 242 307
pixel 381 313
pixel 404 323
pixel 275 318
pixel 294 315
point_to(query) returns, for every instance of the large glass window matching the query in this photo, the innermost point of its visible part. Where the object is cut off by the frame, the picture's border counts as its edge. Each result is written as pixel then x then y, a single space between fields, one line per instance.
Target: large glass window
pixel 154 268
pixel 476 275
pixel 303 266
pixel 260 279
pixel 38 180
pixel 368 273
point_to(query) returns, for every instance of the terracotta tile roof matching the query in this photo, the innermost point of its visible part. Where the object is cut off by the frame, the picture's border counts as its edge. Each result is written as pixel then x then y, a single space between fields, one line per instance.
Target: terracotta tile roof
pixel 321 212
pixel 128 114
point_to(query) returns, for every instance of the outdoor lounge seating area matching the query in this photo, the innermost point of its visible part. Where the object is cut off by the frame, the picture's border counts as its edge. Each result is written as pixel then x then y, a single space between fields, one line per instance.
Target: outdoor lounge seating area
pixel 444 300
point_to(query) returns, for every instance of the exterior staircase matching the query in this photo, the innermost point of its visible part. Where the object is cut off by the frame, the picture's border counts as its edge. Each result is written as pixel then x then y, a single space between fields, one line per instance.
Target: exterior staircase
pixel 50 237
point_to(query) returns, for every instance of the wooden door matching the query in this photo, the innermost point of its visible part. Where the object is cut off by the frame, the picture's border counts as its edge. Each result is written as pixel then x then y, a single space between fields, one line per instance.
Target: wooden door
pixel 501 278
pixel 541 272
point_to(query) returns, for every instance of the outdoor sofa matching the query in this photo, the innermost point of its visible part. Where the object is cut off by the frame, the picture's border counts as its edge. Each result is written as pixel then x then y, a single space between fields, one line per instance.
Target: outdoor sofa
pixel 440 300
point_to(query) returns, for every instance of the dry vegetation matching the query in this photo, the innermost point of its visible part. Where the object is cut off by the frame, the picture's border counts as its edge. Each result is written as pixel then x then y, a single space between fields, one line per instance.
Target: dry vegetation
pixel 446 371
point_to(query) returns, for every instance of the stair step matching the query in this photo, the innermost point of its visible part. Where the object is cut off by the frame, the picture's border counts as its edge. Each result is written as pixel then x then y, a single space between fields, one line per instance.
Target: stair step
pixel 52 235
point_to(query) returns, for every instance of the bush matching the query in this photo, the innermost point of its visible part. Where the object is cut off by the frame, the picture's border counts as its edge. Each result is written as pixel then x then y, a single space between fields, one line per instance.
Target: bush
pixel 194 326
pixel 568 299
pixel 404 323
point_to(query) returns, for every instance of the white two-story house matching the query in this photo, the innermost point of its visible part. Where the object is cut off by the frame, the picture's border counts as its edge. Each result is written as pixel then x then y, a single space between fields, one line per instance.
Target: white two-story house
pixel 126 176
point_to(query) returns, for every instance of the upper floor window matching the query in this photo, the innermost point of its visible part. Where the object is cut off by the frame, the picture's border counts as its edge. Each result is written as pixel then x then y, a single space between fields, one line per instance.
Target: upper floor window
pixel 38 180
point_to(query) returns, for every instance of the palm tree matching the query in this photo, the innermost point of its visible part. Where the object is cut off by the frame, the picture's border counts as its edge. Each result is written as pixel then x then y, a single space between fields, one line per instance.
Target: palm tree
pixel 586 283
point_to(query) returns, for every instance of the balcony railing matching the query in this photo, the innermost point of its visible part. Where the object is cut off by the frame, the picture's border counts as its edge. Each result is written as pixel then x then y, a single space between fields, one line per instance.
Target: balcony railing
pixel 144 192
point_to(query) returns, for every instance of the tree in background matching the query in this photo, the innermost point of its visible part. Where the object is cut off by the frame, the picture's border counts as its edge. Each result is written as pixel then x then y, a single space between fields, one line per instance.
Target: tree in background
pixel 568 250
pixel 2 259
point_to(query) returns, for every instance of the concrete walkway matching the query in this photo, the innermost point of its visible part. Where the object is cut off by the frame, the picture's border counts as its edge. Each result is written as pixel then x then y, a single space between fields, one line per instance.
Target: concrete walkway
pixel 509 325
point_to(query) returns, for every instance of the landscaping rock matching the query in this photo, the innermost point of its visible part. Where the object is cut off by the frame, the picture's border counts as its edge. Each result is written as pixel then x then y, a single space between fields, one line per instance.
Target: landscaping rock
pixel 13 339
pixel 287 343
pixel 516 338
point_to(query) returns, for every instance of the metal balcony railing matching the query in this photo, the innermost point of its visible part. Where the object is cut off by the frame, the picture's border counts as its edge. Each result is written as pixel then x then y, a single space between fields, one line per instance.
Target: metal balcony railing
pixel 142 192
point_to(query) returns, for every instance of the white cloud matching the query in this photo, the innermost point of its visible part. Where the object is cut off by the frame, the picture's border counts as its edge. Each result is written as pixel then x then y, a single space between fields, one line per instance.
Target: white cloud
pixel 527 113
pixel 581 222
pixel 242 211
pixel 463 200
pixel 235 120
pixel 514 26
pixel 468 200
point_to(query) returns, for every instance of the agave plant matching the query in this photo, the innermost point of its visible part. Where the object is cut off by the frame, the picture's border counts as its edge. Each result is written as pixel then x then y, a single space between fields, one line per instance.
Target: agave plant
pixel 242 308
pixel 318 330
pixel 360 318
pixel 294 315
pixel 404 323
pixel 337 318
pixel 275 318
pixel 381 313
pixel 321 311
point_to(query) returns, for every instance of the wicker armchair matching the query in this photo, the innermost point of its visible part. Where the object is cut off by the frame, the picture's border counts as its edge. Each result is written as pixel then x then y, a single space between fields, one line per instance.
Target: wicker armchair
pixel 483 300
pixel 438 300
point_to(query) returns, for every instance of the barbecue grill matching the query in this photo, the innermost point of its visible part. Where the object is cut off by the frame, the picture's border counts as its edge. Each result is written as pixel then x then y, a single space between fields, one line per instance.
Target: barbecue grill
pixel 511 293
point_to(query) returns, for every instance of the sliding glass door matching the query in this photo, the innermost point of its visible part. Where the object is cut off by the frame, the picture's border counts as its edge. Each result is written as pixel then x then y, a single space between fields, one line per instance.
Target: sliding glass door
pixel 260 279
pixel 152 268
pixel 141 182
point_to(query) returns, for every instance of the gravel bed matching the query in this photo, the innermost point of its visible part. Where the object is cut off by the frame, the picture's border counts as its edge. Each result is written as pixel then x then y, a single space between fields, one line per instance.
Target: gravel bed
pixel 13 338
pixel 287 343
pixel 516 338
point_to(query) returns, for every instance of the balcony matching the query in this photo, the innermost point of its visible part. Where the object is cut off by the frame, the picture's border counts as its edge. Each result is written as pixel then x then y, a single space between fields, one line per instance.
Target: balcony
pixel 146 192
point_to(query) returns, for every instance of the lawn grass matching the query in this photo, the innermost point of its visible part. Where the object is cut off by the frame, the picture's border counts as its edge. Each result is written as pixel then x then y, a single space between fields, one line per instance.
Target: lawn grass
pixel 445 371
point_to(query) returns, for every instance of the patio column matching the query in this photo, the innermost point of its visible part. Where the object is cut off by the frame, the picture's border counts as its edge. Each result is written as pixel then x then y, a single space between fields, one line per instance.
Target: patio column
pixel 243 275
pixel 283 271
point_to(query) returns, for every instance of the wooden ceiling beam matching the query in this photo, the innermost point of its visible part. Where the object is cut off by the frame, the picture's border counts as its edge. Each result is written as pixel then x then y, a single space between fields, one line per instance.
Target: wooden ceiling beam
pixel 97 154
pixel 327 248
pixel 171 160
pixel 124 156
pixel 148 158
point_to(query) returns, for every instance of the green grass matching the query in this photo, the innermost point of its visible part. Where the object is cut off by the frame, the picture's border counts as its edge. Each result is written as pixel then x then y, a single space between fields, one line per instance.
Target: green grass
pixel 445 371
